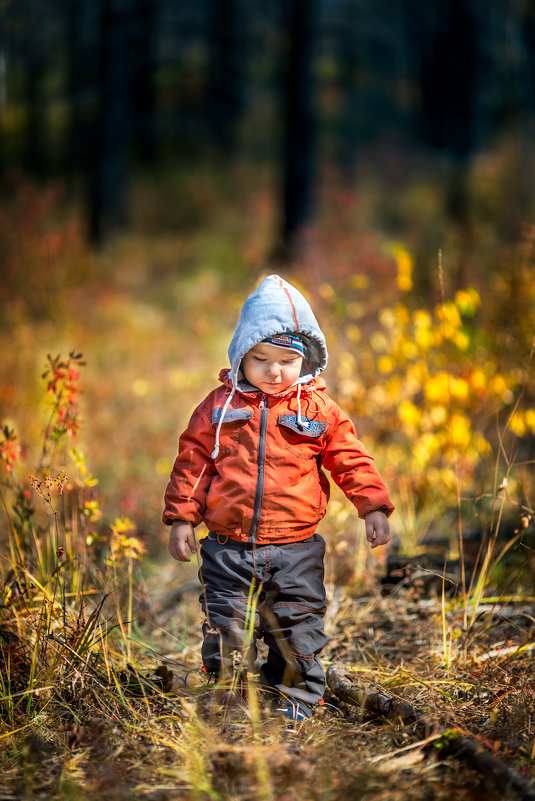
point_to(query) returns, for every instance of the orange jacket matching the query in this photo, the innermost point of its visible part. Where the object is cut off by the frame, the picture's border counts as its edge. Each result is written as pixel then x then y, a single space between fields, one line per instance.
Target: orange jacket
pixel 267 484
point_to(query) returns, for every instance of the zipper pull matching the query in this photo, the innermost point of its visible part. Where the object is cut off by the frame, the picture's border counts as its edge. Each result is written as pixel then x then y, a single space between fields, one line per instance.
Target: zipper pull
pixel 261 404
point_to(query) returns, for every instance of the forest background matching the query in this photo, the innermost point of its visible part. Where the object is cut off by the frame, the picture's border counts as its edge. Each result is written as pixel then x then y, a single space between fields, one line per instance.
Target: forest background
pixel 157 158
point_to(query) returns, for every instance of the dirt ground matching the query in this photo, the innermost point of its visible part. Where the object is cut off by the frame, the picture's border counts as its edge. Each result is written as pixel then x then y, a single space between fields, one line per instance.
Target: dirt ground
pixel 467 676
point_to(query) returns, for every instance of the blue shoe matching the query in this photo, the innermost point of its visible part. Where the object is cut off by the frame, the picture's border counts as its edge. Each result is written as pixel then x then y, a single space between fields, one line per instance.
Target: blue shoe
pixel 293 710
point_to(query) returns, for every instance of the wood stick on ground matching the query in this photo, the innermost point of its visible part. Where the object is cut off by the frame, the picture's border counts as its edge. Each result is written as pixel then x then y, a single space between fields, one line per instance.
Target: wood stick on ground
pixel 465 749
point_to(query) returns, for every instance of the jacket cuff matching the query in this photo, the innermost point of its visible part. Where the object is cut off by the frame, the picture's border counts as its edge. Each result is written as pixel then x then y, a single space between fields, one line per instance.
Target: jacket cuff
pixel 386 510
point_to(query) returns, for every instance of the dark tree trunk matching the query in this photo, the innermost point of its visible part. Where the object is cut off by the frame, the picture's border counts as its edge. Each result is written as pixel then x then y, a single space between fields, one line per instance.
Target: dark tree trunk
pixel 142 50
pixel 34 148
pixel 348 72
pixel 529 39
pixel 109 171
pixel 448 103
pixel 227 58
pixel 75 136
pixel 298 117
pixel 3 88
pixel 448 79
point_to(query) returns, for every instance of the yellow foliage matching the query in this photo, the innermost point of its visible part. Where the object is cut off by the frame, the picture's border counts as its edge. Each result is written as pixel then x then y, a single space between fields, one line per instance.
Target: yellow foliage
pixel 409 414
pixel 460 389
pixel 467 300
pixel 163 466
pixel 437 388
pixel 402 315
pixel 500 387
pixel 522 422
pixel 122 524
pixel 404 262
pixel 425 447
pixel 449 313
pixel 359 281
pixel 378 341
pixel 478 381
pixel 387 318
pixel 461 340
pixel 353 333
pixel 437 416
pixel 386 364
pixel 481 445
pixel 425 338
pixel 327 292
pixel 123 546
pixel 422 319
pixel 409 349
pixel 91 509
pixel 461 430
pixel 355 309
pixel 529 417
pixel 416 375
pixel 517 424
pixel 140 387
pixel 346 366
pixel 393 387
pixel 413 386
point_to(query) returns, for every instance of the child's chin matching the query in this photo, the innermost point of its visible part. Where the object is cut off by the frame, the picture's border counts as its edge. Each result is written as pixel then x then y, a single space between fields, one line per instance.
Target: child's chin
pixel 274 390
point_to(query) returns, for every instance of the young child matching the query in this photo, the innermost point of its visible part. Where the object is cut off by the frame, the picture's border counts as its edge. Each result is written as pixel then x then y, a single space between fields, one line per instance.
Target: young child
pixel 250 466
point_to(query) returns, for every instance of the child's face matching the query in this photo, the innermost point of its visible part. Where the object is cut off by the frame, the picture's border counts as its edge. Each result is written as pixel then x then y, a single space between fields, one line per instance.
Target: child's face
pixel 271 369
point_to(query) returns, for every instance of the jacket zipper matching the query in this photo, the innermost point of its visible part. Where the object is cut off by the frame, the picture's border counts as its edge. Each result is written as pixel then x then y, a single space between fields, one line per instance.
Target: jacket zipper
pixel 260 469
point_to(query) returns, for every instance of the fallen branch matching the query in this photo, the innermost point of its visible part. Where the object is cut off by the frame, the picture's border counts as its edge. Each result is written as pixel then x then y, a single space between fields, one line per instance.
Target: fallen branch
pixel 451 743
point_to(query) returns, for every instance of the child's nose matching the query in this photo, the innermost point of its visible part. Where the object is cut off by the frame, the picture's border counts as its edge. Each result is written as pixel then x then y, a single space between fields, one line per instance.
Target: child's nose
pixel 273 369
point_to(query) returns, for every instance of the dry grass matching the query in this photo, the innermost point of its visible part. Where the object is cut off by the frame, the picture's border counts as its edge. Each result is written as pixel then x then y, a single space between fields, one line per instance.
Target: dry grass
pixel 98 726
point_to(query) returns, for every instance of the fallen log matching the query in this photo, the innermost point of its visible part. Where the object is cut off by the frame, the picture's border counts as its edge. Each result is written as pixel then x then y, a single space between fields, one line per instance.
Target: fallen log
pixel 379 704
pixel 452 743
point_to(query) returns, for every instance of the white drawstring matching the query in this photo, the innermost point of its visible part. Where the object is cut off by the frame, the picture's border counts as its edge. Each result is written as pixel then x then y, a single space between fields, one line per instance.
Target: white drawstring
pixel 215 452
pixel 299 418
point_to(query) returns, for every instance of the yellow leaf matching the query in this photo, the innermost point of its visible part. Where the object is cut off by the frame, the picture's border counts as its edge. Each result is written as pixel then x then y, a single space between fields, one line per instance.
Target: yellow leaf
pixel 404 262
pixel 386 364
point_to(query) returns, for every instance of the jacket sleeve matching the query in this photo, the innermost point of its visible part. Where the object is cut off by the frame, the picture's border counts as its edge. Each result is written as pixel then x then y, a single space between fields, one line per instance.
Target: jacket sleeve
pixel 192 472
pixel 353 468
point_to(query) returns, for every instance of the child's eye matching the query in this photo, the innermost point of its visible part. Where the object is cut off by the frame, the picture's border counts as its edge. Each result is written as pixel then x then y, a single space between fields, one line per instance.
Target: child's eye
pixel 259 359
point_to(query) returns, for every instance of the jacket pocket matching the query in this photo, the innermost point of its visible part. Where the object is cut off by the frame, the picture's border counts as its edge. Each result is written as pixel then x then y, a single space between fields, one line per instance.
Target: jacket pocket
pixel 231 415
pixel 308 428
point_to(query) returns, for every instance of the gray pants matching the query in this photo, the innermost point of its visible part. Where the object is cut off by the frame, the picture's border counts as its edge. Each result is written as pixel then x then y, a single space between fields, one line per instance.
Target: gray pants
pixel 289 613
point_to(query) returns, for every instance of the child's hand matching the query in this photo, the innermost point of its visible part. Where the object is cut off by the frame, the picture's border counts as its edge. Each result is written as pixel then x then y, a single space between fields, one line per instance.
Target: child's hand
pixel 180 536
pixel 377 528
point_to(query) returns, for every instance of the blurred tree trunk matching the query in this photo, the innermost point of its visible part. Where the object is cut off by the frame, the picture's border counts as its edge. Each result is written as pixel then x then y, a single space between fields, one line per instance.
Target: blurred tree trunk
pixel 227 59
pixel 299 124
pixel 75 49
pixel 529 39
pixel 3 88
pixel 143 67
pixel 448 79
pixel 348 71
pixel 109 168
pixel 448 93
pixel 34 155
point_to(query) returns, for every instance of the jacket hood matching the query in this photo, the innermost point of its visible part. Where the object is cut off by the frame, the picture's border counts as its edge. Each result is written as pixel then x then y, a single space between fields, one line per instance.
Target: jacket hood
pixel 277 307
